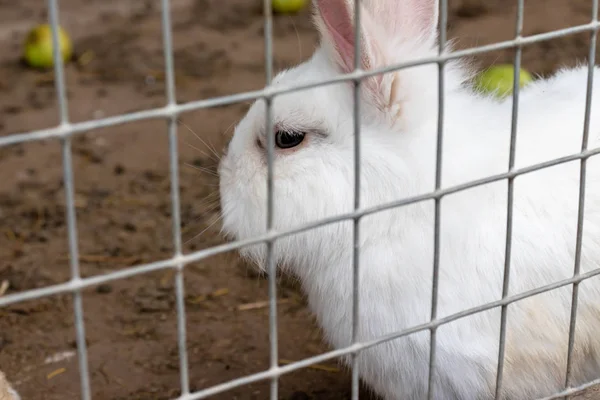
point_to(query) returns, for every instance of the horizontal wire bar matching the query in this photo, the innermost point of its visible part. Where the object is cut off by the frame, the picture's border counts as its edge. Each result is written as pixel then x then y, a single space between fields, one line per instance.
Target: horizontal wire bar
pixel 273 235
pixel 572 391
pixel 365 345
pixel 173 110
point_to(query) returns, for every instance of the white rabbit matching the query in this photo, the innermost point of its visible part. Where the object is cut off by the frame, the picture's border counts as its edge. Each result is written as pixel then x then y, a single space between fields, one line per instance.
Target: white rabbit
pixel 314 179
pixel 6 390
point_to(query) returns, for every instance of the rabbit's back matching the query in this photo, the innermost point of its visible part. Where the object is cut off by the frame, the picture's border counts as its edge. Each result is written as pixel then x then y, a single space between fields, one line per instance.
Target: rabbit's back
pixel 545 206
pixel 473 233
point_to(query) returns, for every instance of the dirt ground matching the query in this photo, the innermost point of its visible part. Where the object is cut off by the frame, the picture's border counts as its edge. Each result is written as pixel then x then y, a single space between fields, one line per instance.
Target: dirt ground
pixel 122 194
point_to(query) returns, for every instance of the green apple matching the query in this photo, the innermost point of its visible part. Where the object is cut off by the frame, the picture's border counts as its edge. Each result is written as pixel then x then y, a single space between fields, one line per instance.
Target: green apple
pixel 39 47
pixel 288 6
pixel 499 79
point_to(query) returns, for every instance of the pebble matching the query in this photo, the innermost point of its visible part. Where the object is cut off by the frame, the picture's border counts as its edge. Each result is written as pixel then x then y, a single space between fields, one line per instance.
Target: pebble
pixel 104 288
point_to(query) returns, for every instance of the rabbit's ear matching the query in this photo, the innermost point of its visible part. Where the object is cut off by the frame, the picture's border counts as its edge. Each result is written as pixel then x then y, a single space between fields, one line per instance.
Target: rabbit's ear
pixel 386 26
pixel 335 22
pixel 405 20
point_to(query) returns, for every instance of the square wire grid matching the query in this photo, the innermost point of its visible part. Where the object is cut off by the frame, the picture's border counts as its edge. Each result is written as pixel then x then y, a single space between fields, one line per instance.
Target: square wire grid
pixel 65 130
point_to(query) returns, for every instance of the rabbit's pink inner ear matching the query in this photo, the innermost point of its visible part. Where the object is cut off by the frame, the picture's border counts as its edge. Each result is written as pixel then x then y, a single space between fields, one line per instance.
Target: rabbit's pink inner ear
pixel 339 26
pixel 336 22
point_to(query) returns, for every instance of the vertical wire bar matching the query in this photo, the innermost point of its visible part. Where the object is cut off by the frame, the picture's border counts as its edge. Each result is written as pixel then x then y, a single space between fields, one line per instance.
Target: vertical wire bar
pixel 443 22
pixel 70 202
pixel 175 201
pixel 179 278
pixel 168 54
pixel 179 281
pixel 75 273
pixel 268 29
pixel 510 197
pixel 582 182
pixel 59 73
pixel 356 221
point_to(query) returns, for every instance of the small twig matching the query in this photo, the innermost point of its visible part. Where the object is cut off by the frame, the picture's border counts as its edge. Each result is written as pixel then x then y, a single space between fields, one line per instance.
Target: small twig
pixel 259 304
pixel 10 234
pixel 201 298
pixel 136 331
pixel 220 292
pixel 196 299
pixel 319 367
pixel 4 287
pixel 102 371
pixel 55 373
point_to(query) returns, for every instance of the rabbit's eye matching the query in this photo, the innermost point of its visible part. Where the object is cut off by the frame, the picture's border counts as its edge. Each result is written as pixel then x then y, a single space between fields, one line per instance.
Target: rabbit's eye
pixel 286 140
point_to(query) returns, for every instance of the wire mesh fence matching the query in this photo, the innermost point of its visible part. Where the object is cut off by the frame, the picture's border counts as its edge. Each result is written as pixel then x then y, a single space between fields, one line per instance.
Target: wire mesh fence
pixel 171 110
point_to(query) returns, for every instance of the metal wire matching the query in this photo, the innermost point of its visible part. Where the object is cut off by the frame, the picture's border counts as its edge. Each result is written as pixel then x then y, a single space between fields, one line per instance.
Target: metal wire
pixel 582 181
pixel 67 157
pixel 271 266
pixel 443 22
pixel 356 222
pixel 510 196
pixel 175 203
pixel 65 130
pixel 572 391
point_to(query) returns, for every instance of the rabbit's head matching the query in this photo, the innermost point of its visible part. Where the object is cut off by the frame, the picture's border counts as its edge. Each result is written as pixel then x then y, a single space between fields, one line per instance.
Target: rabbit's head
pixel 313 129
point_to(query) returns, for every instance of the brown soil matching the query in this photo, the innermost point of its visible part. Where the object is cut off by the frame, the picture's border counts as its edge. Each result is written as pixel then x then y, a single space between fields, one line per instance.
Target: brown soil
pixel 122 194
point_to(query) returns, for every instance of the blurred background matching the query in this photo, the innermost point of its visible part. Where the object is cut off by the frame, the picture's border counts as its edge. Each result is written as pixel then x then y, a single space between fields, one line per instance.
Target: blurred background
pixel 123 200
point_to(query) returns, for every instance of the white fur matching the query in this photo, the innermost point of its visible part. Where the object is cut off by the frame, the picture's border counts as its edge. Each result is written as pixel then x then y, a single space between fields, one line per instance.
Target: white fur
pixel 316 180
pixel 6 390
